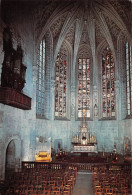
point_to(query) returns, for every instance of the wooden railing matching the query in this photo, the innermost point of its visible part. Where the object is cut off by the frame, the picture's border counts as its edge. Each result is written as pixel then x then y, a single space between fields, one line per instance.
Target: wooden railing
pixel 80 166
pixel 14 98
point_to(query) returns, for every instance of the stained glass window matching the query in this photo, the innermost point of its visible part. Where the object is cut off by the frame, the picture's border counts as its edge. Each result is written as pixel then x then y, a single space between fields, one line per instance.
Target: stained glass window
pixel 108 84
pixel 40 89
pixel 129 78
pixel 61 85
pixel 83 88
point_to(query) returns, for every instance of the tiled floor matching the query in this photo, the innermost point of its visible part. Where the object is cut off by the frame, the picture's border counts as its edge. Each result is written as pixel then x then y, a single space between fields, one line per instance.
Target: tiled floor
pixel 84 184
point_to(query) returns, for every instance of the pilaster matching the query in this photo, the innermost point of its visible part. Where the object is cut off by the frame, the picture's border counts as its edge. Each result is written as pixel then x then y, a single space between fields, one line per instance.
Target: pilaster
pixel 52 103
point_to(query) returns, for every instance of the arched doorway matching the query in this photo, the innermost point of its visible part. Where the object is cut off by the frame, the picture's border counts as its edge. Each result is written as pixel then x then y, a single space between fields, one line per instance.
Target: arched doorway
pixel 13 156
pixel 10 157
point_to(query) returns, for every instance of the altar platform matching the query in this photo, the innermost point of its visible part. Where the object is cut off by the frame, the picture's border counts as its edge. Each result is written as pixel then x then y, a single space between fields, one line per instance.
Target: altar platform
pixel 84 141
pixel 90 148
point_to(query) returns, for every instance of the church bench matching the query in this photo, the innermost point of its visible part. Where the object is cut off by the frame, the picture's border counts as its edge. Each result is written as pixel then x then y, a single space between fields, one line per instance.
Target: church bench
pixel 43 181
pixel 115 180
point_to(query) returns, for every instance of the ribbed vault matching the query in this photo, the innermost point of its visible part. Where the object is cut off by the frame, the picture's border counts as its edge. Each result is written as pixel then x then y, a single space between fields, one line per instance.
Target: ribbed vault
pixel 82 23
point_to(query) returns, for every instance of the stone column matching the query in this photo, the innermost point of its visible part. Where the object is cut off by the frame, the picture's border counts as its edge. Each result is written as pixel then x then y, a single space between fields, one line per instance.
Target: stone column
pixel 52 102
pixel 120 89
pixel 1 51
pixel 34 87
pixel 78 33
pixel 95 103
pixel 2 161
pixel 91 31
pixel 73 107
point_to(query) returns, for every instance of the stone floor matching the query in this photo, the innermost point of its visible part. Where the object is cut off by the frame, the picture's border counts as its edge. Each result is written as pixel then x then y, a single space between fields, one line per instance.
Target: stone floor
pixel 84 184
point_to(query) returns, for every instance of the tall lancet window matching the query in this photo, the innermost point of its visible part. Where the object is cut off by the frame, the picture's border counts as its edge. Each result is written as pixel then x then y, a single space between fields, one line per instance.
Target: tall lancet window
pixel 108 85
pixel 83 87
pixel 129 78
pixel 40 89
pixel 61 85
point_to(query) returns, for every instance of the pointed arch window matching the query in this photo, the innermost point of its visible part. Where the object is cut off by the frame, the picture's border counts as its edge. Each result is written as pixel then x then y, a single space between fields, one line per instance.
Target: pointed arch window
pixel 83 88
pixel 129 78
pixel 40 88
pixel 108 84
pixel 61 85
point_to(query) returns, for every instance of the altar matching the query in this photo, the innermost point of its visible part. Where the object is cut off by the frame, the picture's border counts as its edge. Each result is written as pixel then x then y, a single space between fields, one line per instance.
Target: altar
pixel 84 148
pixel 84 141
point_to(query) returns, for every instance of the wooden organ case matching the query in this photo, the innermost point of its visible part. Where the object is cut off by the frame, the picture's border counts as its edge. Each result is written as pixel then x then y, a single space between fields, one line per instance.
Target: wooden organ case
pixel 13 75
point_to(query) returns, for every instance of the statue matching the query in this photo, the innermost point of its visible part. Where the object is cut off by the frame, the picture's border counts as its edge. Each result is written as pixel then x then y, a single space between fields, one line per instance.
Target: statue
pixel 95 110
pixel 103 151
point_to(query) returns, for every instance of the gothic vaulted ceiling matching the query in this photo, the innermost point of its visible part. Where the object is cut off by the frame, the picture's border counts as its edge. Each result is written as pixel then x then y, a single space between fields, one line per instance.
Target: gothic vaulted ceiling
pixel 83 23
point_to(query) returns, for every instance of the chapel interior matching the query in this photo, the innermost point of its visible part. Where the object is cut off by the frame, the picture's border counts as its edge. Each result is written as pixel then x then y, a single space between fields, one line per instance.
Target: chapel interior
pixel 65 97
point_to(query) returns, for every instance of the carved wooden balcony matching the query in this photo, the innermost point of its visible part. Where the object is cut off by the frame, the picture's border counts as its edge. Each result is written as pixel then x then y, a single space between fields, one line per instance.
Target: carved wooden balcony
pixel 14 98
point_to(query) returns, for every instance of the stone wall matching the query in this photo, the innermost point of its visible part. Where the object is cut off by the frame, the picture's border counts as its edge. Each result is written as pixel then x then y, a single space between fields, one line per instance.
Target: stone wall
pixel 23 126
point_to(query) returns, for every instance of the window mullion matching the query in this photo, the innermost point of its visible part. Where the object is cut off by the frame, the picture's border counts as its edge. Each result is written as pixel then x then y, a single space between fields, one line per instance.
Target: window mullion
pixel 63 84
pixel 40 80
pixel 105 88
pixel 110 88
pixel 130 76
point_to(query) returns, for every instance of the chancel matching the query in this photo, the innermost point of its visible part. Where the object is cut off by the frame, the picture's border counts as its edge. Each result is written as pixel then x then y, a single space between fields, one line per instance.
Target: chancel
pixel 65 97
pixel 84 141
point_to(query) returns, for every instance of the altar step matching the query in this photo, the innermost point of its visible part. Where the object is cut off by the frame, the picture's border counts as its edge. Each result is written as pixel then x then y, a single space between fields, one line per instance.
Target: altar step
pixel 84 184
